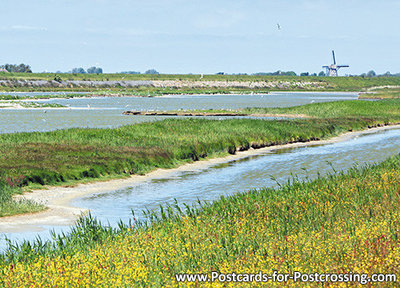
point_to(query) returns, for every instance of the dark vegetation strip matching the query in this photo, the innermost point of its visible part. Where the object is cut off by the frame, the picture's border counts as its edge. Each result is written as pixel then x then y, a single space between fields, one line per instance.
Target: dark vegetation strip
pixel 43 96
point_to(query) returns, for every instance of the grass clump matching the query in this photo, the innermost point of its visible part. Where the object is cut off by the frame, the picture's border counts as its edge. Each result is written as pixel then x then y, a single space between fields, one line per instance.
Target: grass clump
pixel 10 97
pixel 40 105
pixel 9 206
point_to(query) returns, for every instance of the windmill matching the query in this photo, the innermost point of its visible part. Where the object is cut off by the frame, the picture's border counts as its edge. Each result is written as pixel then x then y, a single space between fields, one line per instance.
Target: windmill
pixel 331 70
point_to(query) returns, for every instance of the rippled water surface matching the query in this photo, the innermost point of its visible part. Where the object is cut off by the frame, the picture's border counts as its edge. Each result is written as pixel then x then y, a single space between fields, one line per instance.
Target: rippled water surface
pixel 233 177
pixel 106 112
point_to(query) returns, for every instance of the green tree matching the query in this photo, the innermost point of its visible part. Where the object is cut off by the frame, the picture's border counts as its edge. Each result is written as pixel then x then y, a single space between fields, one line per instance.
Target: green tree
pixel 94 70
pixel 78 70
pixel 21 68
pixel 151 71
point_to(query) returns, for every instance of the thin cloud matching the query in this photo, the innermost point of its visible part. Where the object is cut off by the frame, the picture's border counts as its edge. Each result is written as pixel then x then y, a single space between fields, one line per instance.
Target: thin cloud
pixel 27 28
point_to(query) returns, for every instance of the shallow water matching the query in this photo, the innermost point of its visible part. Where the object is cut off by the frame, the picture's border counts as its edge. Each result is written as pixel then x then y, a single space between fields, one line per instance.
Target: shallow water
pixel 232 177
pixel 106 112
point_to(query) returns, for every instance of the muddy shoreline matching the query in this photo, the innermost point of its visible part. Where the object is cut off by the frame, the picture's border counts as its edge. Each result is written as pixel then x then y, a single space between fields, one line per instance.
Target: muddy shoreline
pixel 205 114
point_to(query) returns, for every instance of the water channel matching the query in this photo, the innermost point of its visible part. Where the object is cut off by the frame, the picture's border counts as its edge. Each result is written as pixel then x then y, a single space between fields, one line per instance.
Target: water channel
pixel 231 177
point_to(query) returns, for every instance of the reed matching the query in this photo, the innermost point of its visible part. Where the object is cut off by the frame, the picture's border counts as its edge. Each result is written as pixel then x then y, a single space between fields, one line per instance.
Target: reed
pixel 9 206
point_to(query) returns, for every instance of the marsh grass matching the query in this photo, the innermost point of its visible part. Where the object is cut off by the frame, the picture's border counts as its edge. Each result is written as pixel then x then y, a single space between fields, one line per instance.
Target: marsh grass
pixel 40 105
pixel 9 206
pixel 48 158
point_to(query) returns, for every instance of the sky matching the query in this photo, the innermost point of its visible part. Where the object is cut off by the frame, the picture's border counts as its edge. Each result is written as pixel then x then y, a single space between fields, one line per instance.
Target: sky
pixel 201 36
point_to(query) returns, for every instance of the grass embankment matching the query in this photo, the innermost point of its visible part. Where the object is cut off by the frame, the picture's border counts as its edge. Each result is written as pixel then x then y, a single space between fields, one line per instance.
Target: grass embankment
pixel 328 83
pixel 344 223
pixel 386 93
pixel 349 82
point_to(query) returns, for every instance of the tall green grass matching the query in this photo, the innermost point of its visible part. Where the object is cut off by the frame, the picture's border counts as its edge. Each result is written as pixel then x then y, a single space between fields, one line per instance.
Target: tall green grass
pixel 9 206
pixel 76 154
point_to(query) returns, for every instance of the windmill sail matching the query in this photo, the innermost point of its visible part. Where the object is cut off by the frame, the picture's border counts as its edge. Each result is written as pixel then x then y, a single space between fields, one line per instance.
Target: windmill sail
pixel 332 70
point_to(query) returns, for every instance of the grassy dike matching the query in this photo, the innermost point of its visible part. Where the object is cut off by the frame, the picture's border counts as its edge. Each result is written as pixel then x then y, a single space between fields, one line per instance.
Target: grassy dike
pixel 80 155
pixel 327 83
pixel 348 222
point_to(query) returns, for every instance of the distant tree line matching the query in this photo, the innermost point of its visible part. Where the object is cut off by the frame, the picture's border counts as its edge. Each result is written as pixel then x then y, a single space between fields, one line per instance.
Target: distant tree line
pixel 150 71
pixel 91 70
pixel 98 70
pixel 370 73
pixel 279 72
pixel 21 68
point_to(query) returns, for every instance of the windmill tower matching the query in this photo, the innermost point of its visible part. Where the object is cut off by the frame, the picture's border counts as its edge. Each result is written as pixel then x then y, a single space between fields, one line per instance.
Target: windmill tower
pixel 331 70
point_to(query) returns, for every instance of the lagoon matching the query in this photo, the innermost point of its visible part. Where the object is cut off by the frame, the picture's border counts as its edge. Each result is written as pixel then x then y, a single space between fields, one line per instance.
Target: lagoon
pixel 106 112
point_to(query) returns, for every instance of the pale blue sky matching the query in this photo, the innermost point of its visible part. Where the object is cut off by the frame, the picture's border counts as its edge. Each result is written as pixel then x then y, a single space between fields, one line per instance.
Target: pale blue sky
pixel 204 36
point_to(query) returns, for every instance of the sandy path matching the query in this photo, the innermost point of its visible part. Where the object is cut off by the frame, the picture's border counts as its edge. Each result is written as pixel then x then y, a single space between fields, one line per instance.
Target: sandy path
pixel 57 199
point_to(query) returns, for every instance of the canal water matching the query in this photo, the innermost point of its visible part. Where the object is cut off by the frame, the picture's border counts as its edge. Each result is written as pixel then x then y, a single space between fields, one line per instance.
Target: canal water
pixel 106 112
pixel 232 177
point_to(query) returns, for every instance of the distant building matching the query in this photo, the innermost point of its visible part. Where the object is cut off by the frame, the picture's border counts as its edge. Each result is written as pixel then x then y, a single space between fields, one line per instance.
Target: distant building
pixel 332 70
